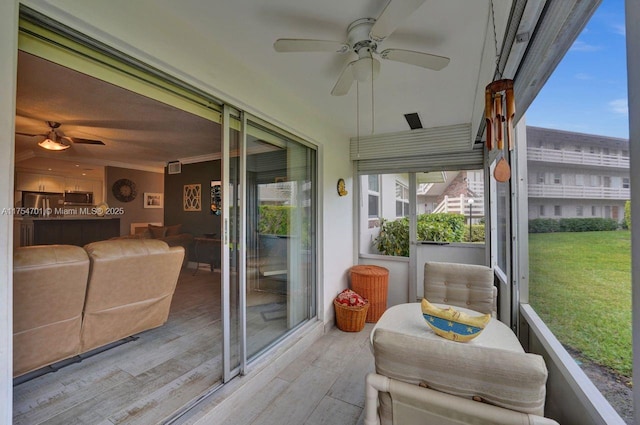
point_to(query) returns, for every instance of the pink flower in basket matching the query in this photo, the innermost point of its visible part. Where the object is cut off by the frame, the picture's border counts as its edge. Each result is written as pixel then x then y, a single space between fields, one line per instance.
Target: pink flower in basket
pixel 350 298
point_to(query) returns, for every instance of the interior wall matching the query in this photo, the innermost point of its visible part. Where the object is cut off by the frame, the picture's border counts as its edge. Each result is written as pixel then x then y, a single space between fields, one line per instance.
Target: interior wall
pixel 175 47
pixel 8 65
pixel 195 222
pixel 134 211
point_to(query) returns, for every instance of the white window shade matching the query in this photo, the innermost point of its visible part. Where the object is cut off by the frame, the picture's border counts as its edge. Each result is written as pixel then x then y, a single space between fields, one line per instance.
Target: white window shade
pixel 429 149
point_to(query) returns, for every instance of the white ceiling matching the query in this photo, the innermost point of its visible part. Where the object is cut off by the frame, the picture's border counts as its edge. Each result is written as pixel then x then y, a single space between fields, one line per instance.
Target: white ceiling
pixel 142 131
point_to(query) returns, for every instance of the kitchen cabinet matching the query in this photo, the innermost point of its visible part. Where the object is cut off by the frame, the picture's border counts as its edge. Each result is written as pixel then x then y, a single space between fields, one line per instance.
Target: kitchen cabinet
pixel 85 185
pixel 78 185
pixel 39 182
pixel 74 232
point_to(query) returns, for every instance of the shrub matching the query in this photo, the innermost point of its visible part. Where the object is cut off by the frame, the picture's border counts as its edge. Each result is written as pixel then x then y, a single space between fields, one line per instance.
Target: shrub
pixel 477 233
pixel 441 227
pixel 277 219
pixel 393 238
pixel 274 219
pixel 549 225
pixel 587 224
pixel 627 214
pixel 544 225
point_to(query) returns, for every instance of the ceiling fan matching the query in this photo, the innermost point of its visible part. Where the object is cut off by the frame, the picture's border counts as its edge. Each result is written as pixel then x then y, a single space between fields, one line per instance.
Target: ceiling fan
pixel 56 140
pixel 363 38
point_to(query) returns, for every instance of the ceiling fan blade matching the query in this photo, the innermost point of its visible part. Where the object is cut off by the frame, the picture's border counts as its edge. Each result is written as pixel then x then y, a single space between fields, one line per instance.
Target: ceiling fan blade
pixel 305 45
pixel 424 60
pixel 29 134
pixel 80 141
pixel 344 81
pixel 392 16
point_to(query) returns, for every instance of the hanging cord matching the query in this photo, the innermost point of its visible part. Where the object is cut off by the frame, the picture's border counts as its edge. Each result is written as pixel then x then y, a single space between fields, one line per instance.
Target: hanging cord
pixel 495 42
pixel 372 102
pixel 358 118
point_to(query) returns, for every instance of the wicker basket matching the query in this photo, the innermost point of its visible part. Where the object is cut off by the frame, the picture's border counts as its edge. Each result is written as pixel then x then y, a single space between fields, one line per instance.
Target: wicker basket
pixel 372 283
pixel 350 319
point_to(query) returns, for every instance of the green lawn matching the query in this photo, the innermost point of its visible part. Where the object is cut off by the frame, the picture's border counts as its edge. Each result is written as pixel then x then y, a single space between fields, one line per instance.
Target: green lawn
pixel 580 285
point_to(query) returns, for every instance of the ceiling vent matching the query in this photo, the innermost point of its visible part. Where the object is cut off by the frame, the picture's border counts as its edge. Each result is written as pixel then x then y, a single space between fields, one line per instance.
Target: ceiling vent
pixel 413 120
pixel 174 167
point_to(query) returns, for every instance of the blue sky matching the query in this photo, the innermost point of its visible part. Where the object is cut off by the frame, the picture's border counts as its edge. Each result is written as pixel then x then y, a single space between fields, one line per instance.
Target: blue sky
pixel 587 92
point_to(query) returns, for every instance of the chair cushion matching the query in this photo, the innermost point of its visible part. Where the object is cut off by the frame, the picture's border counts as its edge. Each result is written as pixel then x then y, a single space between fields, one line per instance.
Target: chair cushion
pixel 493 367
pixel 462 285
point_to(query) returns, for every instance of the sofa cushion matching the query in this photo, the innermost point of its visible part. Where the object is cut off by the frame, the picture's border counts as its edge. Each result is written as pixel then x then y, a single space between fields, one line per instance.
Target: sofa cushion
pixel 492 367
pixel 49 285
pixel 157 232
pixel 176 229
pixel 130 287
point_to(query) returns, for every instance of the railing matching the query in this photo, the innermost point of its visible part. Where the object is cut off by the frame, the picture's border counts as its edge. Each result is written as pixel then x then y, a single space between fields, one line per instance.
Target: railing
pixel 460 205
pixel 582 158
pixel 580 192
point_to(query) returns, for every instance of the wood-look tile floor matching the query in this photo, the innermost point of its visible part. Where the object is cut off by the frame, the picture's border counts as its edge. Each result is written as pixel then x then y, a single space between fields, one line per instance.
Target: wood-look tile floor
pixel 324 386
pixel 146 381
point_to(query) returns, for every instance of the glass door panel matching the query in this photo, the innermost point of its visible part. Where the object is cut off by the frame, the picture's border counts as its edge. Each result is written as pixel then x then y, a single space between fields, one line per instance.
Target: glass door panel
pixel 280 289
pixel 232 272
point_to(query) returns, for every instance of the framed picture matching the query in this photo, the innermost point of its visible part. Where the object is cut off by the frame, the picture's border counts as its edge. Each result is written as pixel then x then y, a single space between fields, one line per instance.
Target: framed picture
pixel 216 197
pixel 192 197
pixel 153 200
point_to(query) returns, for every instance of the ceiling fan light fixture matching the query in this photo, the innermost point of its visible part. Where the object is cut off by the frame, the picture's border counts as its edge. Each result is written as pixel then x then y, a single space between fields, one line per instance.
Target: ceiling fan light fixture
pixel 52 143
pixel 362 69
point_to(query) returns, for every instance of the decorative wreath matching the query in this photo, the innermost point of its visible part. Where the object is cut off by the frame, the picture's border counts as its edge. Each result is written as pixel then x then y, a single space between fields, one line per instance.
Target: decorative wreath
pixel 124 190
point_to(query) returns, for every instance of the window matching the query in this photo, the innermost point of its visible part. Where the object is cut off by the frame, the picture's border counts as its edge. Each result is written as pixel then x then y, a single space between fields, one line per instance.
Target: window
pixel 402 200
pixel 592 149
pixel 556 146
pixel 557 210
pixel 577 148
pixel 625 183
pixel 541 210
pixel 605 151
pixel 443 210
pixel 557 178
pixel 374 196
pixel 579 180
pixel 593 211
pixel 579 211
pixel 540 178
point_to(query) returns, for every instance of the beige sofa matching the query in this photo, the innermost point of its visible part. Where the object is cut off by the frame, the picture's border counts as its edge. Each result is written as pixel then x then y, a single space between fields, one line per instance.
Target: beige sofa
pixel 69 300
pixel 172 235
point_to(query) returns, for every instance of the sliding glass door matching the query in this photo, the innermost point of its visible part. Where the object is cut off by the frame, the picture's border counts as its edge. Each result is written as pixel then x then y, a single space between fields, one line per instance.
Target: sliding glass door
pixel 280 283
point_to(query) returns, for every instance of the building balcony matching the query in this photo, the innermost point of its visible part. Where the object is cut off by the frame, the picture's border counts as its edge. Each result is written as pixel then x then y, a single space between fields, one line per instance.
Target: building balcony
pixel 577 192
pixel 577 158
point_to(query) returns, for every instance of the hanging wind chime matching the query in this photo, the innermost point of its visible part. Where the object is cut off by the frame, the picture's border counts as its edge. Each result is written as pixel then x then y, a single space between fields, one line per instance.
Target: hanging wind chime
pixel 499 111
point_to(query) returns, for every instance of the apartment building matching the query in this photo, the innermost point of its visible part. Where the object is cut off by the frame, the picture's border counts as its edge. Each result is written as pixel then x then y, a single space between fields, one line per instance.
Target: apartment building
pixel 576 175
